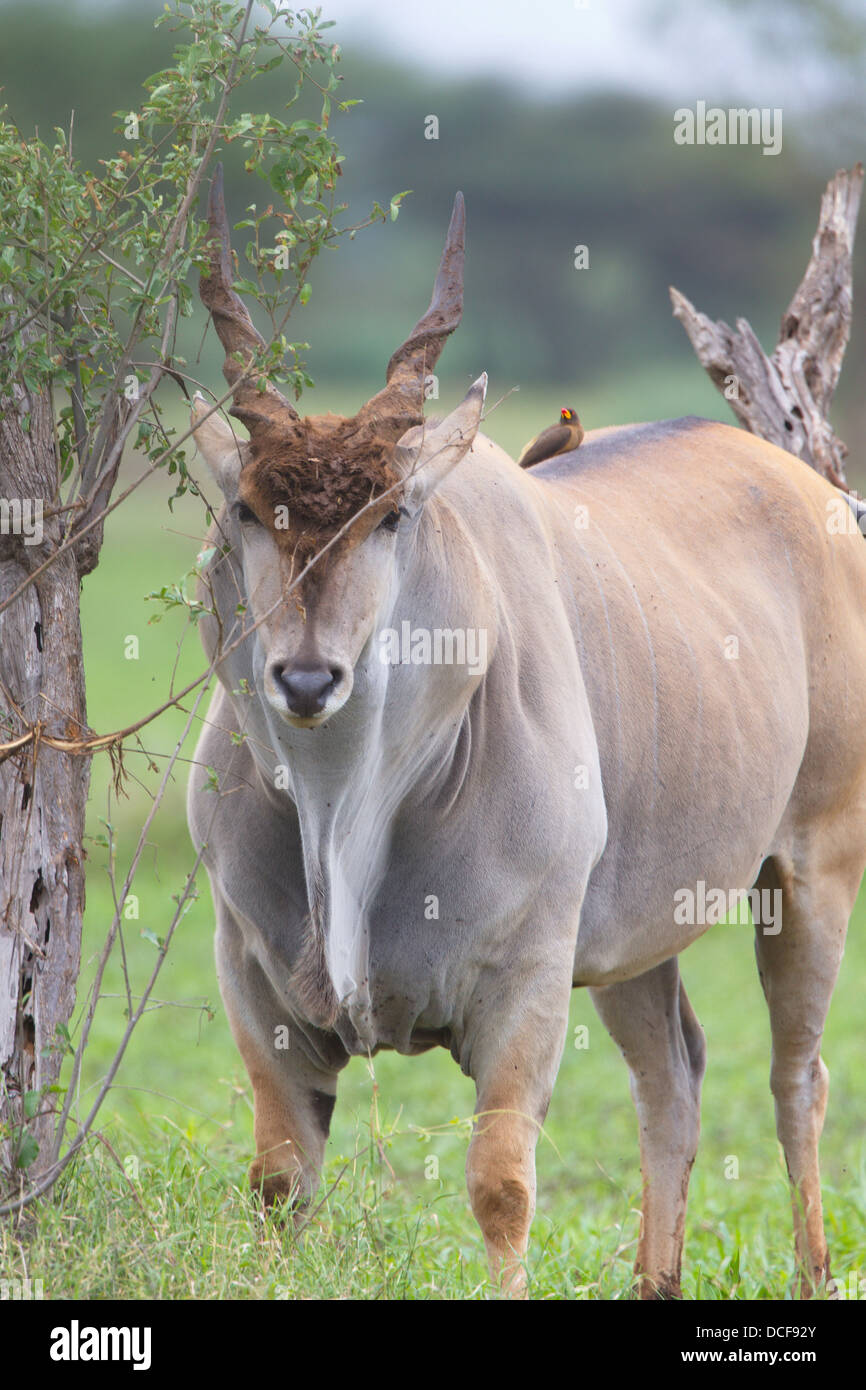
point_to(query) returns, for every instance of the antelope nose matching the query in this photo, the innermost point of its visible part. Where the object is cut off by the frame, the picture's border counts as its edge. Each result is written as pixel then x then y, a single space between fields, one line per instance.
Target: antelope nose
pixel 307 687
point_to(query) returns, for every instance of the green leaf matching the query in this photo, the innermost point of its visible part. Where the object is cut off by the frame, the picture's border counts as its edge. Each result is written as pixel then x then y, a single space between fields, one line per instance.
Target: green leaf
pixel 396 201
pixel 28 1150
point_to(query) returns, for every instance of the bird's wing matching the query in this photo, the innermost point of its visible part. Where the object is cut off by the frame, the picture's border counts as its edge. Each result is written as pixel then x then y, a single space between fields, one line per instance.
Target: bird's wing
pixel 545 445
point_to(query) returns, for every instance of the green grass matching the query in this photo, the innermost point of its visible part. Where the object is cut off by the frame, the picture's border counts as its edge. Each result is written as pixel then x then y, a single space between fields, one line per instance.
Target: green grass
pixel 179 1116
pixel 184 1225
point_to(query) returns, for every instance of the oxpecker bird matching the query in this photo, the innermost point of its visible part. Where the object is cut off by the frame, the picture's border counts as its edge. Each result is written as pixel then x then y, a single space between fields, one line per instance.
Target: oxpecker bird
pixel 558 439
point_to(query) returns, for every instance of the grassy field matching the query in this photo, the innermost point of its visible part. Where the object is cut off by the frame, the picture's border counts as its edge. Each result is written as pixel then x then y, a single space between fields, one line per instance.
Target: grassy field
pixel 158 1207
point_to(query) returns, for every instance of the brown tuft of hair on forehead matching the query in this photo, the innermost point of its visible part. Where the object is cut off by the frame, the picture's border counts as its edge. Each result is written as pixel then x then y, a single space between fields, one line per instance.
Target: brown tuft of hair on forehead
pixel 325 472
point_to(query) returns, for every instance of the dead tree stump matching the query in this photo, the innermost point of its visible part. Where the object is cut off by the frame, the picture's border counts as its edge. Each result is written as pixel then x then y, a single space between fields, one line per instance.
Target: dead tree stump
pixel 785 398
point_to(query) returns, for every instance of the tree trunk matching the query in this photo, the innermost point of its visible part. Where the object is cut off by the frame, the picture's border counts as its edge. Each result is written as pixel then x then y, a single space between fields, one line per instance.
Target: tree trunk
pixel 43 793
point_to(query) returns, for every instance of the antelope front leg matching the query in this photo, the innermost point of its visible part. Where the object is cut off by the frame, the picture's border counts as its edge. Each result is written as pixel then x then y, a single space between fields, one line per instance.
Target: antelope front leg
pixel 293 1089
pixel 514 1060
pixel 292 1114
pixel 500 1175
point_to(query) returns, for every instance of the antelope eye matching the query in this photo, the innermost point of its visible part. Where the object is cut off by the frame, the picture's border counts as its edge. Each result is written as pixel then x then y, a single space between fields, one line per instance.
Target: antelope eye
pixel 390 522
pixel 245 515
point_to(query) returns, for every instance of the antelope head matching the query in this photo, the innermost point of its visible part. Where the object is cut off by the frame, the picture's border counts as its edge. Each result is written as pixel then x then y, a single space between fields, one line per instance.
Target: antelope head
pixel 347 491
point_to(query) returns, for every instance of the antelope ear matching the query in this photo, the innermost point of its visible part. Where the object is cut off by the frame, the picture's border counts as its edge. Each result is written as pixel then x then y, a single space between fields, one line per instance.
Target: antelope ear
pixel 426 456
pixel 218 445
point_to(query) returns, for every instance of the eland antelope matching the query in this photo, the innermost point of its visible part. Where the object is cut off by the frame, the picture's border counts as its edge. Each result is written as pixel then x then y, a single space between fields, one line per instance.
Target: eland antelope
pixel 673 693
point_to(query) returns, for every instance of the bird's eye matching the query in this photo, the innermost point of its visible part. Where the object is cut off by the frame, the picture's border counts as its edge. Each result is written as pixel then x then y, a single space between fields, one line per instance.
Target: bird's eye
pixel 245 515
pixel 390 521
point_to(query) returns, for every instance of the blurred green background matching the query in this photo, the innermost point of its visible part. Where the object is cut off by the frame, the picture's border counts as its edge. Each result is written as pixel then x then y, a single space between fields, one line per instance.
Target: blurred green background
pixel 544 167
pixel 542 172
